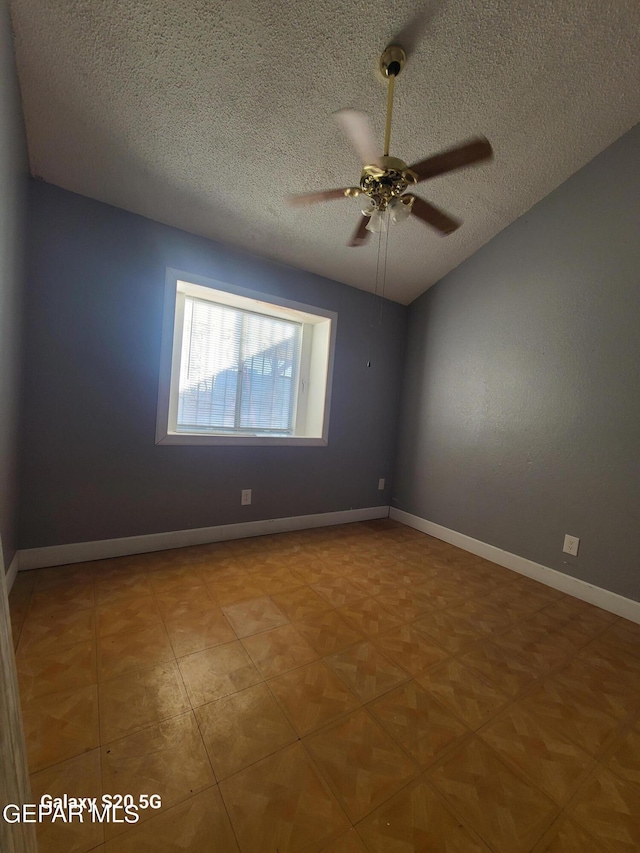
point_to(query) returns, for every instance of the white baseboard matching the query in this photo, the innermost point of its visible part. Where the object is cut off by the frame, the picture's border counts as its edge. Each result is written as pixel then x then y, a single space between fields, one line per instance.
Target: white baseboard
pixel 611 601
pixel 12 571
pixel 80 552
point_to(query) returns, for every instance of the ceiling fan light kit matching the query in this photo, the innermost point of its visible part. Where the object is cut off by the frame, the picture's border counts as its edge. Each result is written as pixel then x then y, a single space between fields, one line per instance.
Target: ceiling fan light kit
pixel 386 179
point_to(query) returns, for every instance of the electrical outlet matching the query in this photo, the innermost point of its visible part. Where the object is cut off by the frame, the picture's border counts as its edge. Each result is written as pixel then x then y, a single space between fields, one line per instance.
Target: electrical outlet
pixel 245 500
pixel 381 484
pixel 571 544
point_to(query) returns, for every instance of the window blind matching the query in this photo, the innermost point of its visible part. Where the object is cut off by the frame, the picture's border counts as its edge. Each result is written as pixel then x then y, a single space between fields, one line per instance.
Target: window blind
pixel 238 370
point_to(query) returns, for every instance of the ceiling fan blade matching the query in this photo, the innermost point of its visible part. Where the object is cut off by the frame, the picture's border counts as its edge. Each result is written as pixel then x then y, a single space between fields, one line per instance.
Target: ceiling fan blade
pixel 474 151
pixel 410 36
pixel 433 216
pixel 322 195
pixel 357 128
pixel 360 235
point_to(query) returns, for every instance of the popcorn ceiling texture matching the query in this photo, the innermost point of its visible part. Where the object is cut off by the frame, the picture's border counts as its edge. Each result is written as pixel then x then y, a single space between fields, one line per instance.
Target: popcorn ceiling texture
pixel 204 114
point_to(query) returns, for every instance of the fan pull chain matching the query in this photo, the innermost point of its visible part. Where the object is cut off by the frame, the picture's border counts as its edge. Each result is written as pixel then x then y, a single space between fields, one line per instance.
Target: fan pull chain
pixel 373 301
pixel 384 267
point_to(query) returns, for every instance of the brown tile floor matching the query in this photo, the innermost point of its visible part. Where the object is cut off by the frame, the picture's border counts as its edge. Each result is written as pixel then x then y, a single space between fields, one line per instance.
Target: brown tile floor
pixel 359 688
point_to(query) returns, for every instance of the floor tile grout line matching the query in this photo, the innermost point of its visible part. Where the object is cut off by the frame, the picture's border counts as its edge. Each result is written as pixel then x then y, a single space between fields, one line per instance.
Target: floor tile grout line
pixel 156 724
pixel 179 668
pixel 448 748
pixel 530 689
pixel 204 746
pixel 335 792
pixel 463 820
pixel 342 716
pixel 226 811
pixel 517 771
pixel 423 778
pixel 258 760
pixel 596 770
pixel 630 724
pixel 192 795
pixel 550 834
pixel 551 725
pixel 158 663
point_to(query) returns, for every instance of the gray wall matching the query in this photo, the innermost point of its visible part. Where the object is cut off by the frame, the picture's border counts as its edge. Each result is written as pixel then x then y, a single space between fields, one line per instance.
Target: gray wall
pixel 90 468
pixel 13 180
pixel 521 405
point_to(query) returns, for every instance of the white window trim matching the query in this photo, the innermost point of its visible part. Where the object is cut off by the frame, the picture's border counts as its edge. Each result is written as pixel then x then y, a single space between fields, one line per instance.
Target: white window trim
pixel 317 358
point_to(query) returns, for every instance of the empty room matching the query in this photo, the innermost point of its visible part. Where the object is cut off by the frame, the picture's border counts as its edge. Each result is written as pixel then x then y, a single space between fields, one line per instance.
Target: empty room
pixel 320 426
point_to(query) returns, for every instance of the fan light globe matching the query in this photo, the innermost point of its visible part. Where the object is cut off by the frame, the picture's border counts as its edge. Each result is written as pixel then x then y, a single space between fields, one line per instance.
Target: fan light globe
pixel 399 211
pixel 376 222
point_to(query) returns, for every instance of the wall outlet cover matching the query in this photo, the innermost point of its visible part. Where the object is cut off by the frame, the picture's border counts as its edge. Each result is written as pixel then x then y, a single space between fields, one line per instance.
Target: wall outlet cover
pixel 381 484
pixel 571 545
pixel 245 500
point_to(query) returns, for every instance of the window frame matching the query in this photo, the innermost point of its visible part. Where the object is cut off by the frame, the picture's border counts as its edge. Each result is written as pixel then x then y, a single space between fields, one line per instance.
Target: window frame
pixel 316 358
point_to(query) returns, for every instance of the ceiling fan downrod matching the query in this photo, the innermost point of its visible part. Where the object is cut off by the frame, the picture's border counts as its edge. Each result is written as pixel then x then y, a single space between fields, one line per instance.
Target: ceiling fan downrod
pixel 392 62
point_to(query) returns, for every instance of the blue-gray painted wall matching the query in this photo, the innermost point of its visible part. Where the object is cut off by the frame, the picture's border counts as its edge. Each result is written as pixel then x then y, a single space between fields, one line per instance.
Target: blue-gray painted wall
pixel 91 468
pixel 521 404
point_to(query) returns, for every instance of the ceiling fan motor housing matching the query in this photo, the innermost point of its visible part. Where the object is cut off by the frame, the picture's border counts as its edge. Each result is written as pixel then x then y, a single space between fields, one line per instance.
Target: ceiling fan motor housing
pixel 388 180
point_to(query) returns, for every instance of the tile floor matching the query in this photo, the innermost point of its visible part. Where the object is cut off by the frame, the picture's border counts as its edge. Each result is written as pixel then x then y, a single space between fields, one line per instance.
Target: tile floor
pixel 358 688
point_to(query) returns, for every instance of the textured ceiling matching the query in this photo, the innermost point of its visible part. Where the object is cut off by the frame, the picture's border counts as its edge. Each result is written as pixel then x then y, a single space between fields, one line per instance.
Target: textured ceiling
pixel 203 114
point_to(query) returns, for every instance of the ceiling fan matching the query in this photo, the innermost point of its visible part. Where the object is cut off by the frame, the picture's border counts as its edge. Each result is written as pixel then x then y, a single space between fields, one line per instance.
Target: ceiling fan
pixel 384 179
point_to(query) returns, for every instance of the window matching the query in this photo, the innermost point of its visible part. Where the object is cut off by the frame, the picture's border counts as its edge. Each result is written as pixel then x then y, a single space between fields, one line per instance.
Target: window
pixel 237 369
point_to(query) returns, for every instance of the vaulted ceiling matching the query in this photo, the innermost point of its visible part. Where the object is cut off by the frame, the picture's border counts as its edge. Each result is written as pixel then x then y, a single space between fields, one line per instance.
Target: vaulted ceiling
pixel 204 114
